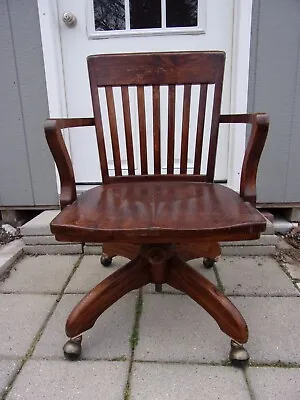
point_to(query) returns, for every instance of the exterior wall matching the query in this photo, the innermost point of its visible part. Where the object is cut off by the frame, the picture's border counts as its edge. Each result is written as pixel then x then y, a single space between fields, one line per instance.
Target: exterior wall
pixel 274 87
pixel 27 174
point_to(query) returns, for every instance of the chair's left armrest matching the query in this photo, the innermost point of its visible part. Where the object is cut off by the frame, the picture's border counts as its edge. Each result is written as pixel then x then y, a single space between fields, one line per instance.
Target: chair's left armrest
pixel 259 131
pixel 61 156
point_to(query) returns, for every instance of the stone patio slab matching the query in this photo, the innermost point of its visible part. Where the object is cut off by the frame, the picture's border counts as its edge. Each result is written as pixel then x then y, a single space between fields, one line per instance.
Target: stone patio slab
pixel 91 272
pixel 54 249
pixel 40 225
pixel 65 380
pixel 254 276
pixel 21 317
pixel 43 274
pixel 9 253
pixel 198 265
pixel 108 339
pixel 7 369
pixel 274 327
pixel 293 268
pixel 153 381
pixel 275 383
pixel 175 328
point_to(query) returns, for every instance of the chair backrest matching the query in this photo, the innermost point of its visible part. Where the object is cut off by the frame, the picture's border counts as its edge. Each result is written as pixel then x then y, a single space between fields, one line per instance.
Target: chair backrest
pixel 150 75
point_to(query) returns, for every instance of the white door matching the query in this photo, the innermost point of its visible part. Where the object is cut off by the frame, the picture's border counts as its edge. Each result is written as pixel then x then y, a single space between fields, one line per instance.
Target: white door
pixel 120 26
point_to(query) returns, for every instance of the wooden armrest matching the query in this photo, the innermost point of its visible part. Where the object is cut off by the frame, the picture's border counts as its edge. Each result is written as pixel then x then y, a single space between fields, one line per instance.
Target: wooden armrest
pixel 259 131
pixel 61 156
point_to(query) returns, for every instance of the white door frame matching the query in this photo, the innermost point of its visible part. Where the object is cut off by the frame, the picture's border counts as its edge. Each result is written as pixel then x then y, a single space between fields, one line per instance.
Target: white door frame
pixel 242 16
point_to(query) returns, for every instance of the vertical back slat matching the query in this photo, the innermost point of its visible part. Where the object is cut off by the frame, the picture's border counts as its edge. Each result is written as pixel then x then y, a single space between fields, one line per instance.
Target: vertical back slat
pixel 142 129
pixel 171 129
pixel 200 128
pixel 113 129
pixel 128 130
pixel 214 132
pixel 185 128
pixel 156 129
pixel 99 128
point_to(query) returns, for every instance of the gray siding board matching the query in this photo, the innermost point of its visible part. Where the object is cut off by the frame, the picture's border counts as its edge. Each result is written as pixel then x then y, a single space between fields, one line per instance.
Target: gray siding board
pixel 15 180
pixel 293 172
pixel 29 59
pixel 273 70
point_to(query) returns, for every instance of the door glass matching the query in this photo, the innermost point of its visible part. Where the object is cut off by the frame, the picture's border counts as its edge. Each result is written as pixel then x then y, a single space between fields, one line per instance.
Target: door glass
pixel 181 13
pixel 131 16
pixel 145 14
pixel 109 15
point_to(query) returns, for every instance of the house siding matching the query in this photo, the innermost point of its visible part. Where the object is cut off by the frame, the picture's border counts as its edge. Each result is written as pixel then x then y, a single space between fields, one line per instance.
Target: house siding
pixel 27 173
pixel 274 87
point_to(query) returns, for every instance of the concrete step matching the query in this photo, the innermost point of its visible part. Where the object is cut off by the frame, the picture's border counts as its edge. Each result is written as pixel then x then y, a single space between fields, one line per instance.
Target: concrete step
pixel 38 239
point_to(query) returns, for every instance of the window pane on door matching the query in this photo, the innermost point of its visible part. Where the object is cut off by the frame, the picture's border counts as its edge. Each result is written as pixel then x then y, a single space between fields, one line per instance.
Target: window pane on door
pixel 145 14
pixel 109 15
pixel 181 13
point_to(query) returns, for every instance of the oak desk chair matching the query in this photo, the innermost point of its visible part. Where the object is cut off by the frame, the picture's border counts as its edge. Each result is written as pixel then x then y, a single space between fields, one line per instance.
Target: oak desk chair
pixel 162 219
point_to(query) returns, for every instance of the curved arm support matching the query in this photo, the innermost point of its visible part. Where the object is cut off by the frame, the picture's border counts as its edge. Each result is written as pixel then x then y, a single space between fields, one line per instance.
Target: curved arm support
pixel 61 156
pixel 259 131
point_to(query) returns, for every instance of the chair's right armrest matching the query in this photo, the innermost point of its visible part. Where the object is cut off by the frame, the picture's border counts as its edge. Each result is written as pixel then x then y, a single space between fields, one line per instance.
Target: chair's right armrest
pixel 61 156
pixel 258 136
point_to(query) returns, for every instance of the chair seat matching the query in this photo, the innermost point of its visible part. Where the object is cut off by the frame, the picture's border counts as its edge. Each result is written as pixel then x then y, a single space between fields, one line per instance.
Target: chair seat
pixel 158 211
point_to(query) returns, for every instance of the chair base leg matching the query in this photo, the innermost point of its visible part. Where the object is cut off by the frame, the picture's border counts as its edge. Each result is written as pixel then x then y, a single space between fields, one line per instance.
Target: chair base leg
pixel 158 264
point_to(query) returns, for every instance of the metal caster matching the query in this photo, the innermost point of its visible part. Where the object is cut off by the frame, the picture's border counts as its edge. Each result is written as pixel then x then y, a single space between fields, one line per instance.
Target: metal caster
pixel 105 260
pixel 208 262
pixel 238 355
pixel 72 349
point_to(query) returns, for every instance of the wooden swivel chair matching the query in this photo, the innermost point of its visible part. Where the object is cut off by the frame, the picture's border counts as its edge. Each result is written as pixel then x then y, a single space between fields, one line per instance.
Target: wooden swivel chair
pixel 159 220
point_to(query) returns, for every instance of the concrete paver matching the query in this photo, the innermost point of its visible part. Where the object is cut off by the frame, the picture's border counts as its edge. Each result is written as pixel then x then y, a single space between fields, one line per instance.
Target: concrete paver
pixel 274 383
pixel 40 225
pixel 175 328
pixel 7 368
pixel 179 343
pixel 253 276
pixel 153 381
pixel 274 327
pixel 43 274
pixel 108 339
pixel 91 272
pixel 65 380
pixel 8 255
pixel 21 317
pixel 293 269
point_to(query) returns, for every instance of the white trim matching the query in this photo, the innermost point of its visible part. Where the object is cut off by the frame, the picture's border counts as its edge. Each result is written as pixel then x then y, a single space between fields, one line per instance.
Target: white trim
pixel 53 64
pixel 242 19
pixel 163 14
pixel 50 33
pixel 95 35
pixel 127 14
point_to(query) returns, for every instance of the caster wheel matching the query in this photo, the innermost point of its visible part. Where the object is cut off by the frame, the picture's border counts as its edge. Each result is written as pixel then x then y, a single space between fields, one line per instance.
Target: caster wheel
pixel 158 287
pixel 238 355
pixel 209 262
pixel 105 260
pixel 72 349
